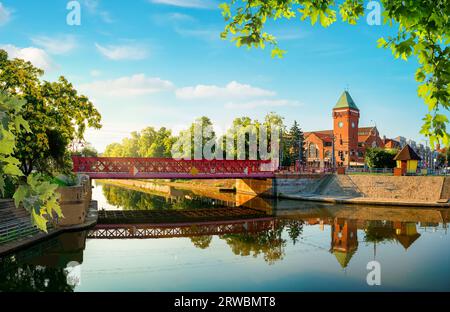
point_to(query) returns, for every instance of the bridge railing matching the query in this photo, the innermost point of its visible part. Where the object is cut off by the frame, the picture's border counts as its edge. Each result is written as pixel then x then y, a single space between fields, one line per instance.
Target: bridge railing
pixel 149 167
pixel 304 169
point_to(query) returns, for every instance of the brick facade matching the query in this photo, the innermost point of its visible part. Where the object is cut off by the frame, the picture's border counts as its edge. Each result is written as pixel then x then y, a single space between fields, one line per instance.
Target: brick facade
pixel 350 141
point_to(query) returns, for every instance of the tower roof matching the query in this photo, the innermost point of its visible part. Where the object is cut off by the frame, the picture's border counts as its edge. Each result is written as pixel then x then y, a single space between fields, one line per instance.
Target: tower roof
pixel 346 101
pixel 343 257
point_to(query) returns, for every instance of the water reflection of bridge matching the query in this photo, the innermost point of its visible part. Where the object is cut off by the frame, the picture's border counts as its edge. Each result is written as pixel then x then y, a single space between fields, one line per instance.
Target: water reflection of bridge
pixel 179 223
pixel 181 230
pixel 234 220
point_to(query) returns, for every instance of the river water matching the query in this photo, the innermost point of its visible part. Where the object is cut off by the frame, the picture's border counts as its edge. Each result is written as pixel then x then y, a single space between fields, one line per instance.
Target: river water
pixel 291 246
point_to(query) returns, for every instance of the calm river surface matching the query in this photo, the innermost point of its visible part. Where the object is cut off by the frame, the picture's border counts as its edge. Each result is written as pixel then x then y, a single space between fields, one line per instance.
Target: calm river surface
pixel 288 246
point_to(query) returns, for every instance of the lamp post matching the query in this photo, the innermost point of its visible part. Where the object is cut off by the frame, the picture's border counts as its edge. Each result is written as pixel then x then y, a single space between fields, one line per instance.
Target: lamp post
pixel 281 151
pixel 333 158
pixel 300 152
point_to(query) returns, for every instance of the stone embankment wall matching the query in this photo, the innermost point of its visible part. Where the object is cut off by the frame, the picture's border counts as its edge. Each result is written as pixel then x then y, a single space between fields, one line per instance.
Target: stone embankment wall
pixel 411 188
pixel 406 187
pixel 445 194
pixel 282 184
pixel 75 202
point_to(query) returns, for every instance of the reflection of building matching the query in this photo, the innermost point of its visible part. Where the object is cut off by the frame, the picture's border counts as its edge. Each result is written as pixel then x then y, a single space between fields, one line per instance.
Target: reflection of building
pixel 350 141
pixel 406 233
pixel 344 240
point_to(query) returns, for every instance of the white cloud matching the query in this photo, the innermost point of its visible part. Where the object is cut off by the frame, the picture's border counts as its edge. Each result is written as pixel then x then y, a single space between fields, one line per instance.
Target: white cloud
pixel 198 4
pixel 36 56
pixel 233 90
pixel 5 15
pixel 187 26
pixel 199 33
pixel 180 17
pixel 106 17
pixel 56 45
pixel 95 73
pixel 136 85
pixel 289 33
pixel 92 7
pixel 262 103
pixel 123 52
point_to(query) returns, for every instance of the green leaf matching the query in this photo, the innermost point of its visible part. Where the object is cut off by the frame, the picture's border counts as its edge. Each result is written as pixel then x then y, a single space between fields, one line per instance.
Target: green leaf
pixel 20 122
pixel 441 118
pixel 20 194
pixel 226 12
pixel 381 42
pixel 13 170
pixel 420 76
pixel 39 221
pixel 278 52
pixel 7 142
pixel 423 90
pixel 53 206
pixel 314 16
pixel 2 185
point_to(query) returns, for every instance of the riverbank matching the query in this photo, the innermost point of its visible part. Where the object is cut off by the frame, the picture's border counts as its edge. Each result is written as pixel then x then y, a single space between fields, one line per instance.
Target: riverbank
pixel 366 201
pixel 169 188
pixel 339 189
pixel 25 234
pixel 414 191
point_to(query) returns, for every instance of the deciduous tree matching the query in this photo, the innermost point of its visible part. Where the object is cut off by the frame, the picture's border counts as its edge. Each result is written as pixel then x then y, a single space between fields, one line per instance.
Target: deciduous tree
pixel 55 112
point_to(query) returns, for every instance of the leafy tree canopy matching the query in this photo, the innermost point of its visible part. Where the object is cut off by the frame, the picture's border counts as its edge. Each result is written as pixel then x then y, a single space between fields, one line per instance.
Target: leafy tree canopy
pixel 423 32
pixel 11 123
pixel 380 158
pixel 55 112
pixel 146 143
pixel 37 196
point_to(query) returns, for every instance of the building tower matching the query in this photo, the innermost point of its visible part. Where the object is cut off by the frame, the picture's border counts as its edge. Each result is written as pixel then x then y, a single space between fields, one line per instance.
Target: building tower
pixel 345 130
pixel 344 240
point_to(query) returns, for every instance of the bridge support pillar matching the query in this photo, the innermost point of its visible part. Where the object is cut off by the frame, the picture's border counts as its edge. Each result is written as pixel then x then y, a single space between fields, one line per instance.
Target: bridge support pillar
pixel 256 187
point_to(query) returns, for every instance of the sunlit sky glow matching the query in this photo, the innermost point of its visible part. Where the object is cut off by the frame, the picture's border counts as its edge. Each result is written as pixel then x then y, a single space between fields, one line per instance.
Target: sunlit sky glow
pixel 162 63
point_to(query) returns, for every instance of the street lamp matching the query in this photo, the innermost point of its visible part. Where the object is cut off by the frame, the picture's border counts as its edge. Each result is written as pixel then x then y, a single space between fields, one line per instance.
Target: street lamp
pixel 300 152
pixel 333 158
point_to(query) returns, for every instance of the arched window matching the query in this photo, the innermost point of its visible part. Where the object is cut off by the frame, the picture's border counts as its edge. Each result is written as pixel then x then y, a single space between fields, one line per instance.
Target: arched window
pixel 313 151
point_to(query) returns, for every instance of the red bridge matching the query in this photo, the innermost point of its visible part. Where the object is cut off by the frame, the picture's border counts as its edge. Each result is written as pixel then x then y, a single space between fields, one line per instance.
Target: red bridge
pixel 168 168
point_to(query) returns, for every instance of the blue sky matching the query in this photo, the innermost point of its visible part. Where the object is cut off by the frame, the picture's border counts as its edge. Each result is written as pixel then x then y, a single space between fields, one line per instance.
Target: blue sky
pixel 162 63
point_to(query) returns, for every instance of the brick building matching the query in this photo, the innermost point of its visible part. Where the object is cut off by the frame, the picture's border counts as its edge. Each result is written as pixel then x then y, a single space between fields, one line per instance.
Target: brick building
pixel 348 140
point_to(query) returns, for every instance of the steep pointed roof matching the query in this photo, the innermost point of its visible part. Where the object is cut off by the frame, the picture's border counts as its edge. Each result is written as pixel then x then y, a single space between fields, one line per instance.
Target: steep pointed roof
pixel 343 257
pixel 407 153
pixel 407 240
pixel 346 101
